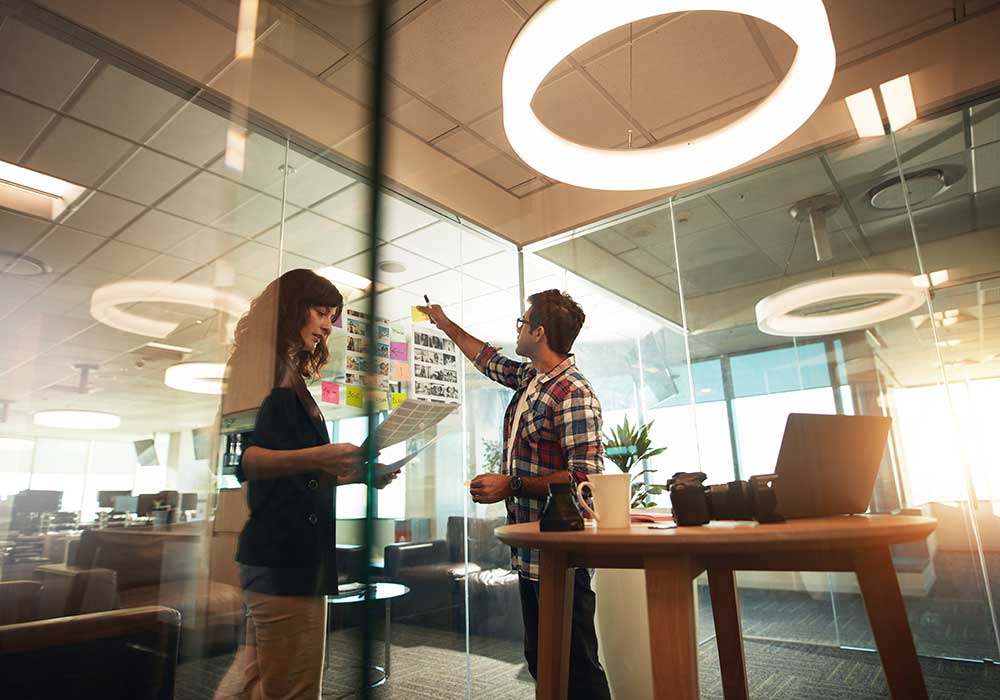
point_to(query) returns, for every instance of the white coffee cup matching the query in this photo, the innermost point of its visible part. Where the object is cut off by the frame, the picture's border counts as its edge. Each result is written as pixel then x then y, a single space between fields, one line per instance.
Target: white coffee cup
pixel 611 494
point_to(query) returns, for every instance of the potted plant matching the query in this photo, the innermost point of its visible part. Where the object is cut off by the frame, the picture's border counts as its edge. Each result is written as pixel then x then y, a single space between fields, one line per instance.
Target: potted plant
pixel 627 446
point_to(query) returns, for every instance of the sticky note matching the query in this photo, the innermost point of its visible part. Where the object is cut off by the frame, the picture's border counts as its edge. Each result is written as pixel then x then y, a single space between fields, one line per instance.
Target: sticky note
pixel 397 399
pixel 330 392
pixel 398 351
pixel 400 372
pixel 339 323
pixel 418 315
pixel 381 401
pixel 354 396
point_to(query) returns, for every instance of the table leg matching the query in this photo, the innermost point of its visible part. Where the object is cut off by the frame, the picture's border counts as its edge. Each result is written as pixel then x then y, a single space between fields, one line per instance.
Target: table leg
pixel 388 634
pixel 672 644
pixel 728 633
pixel 887 615
pixel 555 613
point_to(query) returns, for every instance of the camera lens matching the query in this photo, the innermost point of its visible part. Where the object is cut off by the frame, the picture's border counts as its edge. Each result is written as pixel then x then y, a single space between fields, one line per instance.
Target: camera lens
pixel 730 501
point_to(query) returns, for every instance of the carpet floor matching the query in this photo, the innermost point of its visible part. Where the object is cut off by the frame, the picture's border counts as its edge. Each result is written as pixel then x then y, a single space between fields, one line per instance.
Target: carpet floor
pixel 430 664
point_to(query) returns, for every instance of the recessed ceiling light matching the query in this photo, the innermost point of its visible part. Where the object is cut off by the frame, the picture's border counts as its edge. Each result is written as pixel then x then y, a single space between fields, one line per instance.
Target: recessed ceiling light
pixel 246 29
pixel 948 343
pixel 21 265
pixel 356 284
pixel 864 113
pixel 897 95
pixel 562 26
pixel 895 295
pixel 196 377
pixel 106 300
pixel 77 420
pixel 392 267
pixel 35 193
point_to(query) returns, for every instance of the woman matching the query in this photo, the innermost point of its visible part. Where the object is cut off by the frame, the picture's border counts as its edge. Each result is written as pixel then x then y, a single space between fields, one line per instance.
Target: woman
pixel 287 549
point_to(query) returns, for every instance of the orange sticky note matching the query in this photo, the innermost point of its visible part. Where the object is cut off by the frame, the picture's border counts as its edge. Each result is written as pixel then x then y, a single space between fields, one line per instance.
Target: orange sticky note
pixel 400 372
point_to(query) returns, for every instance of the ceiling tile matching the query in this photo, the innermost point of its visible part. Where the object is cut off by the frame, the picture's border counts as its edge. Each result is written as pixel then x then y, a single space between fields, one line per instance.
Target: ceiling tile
pixel 123 104
pixel 102 214
pixel 353 77
pixel 147 176
pixel 302 46
pixel 448 287
pixel 22 123
pixel 646 263
pixel 725 274
pixel 322 239
pixel 860 28
pixel 416 117
pixel 264 163
pixel 611 241
pixel 449 55
pixel 77 152
pixel 260 213
pixel 254 260
pixel 165 267
pixel 349 206
pixel 491 128
pixel 62 248
pixel 19 231
pixel 310 182
pixel 194 135
pixel 394 304
pixel 987 166
pixel 986 122
pixel 483 158
pixel 499 270
pixel 400 217
pixel 709 247
pixel 121 258
pixel 205 245
pixel 572 108
pixel 417 267
pixel 206 198
pixel 158 231
pixel 38 67
pixel 533 185
pixel 447 243
pixel 774 187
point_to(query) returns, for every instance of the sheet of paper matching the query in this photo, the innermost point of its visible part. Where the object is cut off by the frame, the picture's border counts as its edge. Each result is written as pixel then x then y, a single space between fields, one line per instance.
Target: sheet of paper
pixel 410 418
pixel 418 316
pixel 384 469
pixel 330 392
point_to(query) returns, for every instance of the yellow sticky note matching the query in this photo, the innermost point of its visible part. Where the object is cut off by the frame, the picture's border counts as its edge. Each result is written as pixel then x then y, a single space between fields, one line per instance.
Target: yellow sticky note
pixel 354 396
pixel 397 399
pixel 418 315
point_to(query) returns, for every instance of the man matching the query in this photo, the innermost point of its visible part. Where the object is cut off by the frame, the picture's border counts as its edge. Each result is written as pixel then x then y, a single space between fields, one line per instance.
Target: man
pixel 552 434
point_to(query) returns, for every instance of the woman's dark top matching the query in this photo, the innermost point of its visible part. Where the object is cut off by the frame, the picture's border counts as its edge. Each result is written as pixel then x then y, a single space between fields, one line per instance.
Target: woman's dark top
pixel 288 545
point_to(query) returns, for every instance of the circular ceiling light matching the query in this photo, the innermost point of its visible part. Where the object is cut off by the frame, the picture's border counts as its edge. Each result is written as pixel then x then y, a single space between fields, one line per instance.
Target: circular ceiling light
pixel 105 301
pixel 562 26
pixel 196 377
pixel 77 420
pixel 921 186
pixel 392 267
pixel 894 293
pixel 19 265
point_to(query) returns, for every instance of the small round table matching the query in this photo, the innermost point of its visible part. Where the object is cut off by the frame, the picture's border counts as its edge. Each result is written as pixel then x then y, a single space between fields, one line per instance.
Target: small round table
pixel 383 591
pixel 673 558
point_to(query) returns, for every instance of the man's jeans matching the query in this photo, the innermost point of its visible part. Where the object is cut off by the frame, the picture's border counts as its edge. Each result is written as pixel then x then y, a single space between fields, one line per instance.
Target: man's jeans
pixel 586 676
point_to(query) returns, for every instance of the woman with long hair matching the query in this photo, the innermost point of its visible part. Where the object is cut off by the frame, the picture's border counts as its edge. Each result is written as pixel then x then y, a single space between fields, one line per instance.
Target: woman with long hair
pixel 287 549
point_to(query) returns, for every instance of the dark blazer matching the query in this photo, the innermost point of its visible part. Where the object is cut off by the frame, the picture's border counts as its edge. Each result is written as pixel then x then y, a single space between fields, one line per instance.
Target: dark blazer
pixel 292 523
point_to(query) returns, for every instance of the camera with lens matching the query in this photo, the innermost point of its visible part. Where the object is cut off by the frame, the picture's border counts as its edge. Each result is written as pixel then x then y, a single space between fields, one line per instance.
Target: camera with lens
pixel 694 503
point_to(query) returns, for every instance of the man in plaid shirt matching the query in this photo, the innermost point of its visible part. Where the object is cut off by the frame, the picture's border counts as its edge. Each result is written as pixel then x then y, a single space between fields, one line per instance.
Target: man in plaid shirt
pixel 552 433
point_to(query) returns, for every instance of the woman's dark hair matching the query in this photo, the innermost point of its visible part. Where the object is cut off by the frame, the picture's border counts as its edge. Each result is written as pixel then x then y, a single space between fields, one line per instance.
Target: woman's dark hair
pixel 280 312
pixel 560 316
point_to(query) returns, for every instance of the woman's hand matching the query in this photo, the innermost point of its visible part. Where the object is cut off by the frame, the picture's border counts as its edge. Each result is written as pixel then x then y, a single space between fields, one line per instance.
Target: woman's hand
pixel 339 459
pixel 382 481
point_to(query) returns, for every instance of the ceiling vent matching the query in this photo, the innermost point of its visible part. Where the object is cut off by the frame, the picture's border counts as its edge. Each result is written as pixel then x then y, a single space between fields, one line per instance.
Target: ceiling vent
pixel 921 186
pixel 18 265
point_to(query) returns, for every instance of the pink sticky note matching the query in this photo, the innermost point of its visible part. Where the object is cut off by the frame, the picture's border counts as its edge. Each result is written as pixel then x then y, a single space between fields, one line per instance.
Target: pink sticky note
pixel 400 372
pixel 330 392
pixel 339 323
pixel 397 351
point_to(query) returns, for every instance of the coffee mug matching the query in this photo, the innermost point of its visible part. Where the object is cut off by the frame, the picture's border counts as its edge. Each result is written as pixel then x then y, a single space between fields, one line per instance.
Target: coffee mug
pixel 611 499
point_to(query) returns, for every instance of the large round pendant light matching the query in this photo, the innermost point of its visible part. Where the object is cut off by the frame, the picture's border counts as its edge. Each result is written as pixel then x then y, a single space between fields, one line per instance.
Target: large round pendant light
pixel 77 420
pixel 562 26
pixel 894 294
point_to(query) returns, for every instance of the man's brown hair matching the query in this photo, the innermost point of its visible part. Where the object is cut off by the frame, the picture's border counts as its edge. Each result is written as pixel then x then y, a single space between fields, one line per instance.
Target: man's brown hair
pixel 560 316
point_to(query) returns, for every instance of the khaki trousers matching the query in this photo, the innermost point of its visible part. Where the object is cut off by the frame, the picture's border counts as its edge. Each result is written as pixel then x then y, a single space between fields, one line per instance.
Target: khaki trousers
pixel 284 652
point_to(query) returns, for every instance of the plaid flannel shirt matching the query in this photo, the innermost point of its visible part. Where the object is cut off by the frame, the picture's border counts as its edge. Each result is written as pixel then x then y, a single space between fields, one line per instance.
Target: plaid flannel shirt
pixel 560 430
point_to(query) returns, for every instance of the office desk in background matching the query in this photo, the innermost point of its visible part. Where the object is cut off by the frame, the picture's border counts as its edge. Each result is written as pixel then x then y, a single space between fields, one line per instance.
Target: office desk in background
pixel 673 558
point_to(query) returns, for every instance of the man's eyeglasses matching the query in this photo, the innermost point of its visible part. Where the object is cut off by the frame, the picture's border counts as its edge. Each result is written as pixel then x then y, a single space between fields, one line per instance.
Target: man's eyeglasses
pixel 519 323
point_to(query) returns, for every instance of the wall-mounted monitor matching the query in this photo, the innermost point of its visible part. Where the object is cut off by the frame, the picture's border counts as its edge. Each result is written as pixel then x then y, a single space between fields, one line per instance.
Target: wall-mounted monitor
pixel 189 501
pixel 202 440
pixel 127 504
pixel 106 499
pixel 145 453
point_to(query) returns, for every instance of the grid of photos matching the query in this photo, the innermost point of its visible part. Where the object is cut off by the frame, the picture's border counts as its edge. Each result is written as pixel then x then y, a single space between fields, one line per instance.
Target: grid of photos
pixel 435 367
pixel 356 368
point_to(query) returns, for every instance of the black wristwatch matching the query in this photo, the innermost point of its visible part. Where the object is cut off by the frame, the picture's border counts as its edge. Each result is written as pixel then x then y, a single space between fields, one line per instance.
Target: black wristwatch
pixel 516 485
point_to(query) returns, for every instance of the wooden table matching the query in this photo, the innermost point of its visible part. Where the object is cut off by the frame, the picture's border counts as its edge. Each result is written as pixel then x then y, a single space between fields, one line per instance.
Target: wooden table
pixel 673 558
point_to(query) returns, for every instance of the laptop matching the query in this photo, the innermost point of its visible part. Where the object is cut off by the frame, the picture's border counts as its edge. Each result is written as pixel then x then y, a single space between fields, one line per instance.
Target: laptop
pixel 827 464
